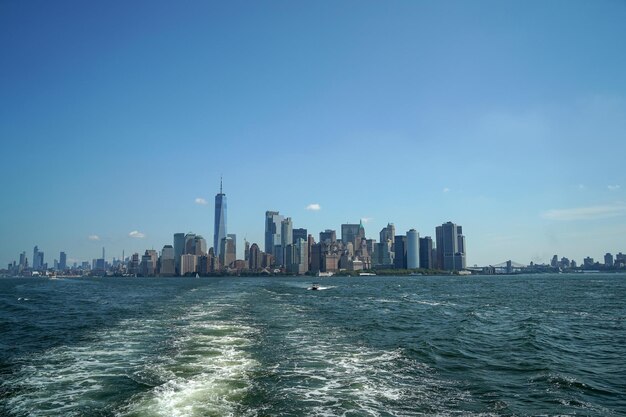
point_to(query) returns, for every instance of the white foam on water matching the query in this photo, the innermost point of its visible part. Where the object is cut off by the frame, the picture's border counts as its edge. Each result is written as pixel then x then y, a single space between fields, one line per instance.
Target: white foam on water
pixel 196 365
pixel 59 380
pixel 333 377
pixel 209 373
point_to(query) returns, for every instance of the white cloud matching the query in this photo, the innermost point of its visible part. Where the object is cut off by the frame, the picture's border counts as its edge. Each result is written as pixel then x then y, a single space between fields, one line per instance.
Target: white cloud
pixel 136 234
pixel 93 237
pixel 446 190
pixel 586 213
pixel 201 201
pixel 613 187
pixel 366 219
pixel 314 207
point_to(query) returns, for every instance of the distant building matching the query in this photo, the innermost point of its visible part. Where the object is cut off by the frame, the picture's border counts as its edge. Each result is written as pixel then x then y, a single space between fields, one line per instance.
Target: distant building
pixel 179 249
pixel 296 257
pixel 62 261
pixel 286 235
pixel 388 233
pixel 450 247
pixel 608 260
pixel 38 259
pixel 273 237
pixel 168 261
pixel 400 252
pixel 299 234
pixel 255 258
pixel 383 255
pixel 199 245
pixel 246 249
pixel 233 236
pixel 349 233
pixel 328 236
pixel 588 262
pixel 315 255
pixel 330 262
pixel 554 263
pixel 426 252
pixel 412 249
pixel 190 244
pixel 188 264
pixel 228 252
pixel 220 220
pixel 149 263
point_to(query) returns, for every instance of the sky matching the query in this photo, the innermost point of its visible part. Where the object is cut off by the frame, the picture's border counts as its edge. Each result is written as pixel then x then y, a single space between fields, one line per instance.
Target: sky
pixel 117 120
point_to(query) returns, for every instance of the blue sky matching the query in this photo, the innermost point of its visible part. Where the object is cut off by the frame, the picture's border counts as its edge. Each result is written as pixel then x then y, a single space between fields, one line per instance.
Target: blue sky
pixel 506 117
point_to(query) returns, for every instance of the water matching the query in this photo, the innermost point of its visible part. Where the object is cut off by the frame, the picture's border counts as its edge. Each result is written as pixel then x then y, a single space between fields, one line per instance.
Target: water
pixel 375 346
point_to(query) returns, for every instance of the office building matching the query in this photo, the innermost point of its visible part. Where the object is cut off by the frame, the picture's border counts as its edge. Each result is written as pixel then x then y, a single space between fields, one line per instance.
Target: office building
pixel 273 237
pixel 450 247
pixel 168 262
pixel 255 258
pixel 220 220
pixel 38 259
pixel 349 233
pixel 62 261
pixel 286 235
pixel 299 234
pixel 426 252
pixel 328 236
pixel 388 233
pixel 190 244
pixel 179 249
pixel 233 237
pixel 188 264
pixel 400 252
pixel 200 246
pixel 412 249
pixel 228 251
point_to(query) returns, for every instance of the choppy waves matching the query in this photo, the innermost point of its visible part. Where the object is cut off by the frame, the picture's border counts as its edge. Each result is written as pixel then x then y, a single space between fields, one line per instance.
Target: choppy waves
pixel 378 347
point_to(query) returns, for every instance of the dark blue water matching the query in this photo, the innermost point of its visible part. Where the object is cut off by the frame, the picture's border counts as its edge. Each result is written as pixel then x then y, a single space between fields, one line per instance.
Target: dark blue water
pixel 375 346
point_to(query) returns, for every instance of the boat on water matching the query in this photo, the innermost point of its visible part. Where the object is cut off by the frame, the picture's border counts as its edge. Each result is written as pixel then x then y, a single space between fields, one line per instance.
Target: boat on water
pixel 197 276
pixel 314 287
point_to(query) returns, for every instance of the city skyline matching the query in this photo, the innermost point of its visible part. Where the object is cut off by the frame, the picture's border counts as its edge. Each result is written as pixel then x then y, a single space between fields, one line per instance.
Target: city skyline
pixel 507 118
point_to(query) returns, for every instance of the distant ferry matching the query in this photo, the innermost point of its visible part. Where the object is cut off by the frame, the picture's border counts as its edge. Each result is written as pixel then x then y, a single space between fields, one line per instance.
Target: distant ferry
pixel 324 274
pixel 367 274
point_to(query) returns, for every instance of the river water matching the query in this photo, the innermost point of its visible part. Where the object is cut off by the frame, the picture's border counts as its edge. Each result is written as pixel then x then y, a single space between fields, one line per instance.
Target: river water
pixel 369 346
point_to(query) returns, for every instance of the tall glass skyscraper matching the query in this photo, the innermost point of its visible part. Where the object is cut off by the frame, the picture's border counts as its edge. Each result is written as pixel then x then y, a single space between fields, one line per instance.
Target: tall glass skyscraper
pixel 220 221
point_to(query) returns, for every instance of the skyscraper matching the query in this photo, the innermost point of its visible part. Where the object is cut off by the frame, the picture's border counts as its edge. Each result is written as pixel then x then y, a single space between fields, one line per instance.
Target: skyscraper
pixel 233 236
pixel 62 261
pixel 286 236
pixel 168 263
pixel 220 220
pixel 450 247
pixel 349 232
pixel 179 249
pixel 412 249
pixel 328 236
pixel 400 252
pixel 36 263
pixel 299 234
pixel 273 229
pixel 426 252
pixel 388 233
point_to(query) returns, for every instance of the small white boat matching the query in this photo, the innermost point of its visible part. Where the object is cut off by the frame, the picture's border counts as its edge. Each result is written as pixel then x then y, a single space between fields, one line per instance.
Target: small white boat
pixel 315 286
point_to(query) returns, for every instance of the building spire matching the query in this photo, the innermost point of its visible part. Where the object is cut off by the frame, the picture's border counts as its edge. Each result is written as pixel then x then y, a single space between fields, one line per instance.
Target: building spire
pixel 220 184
